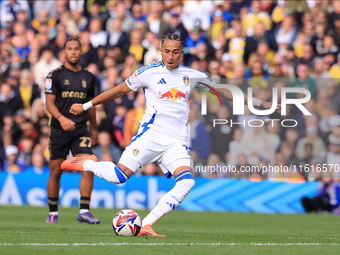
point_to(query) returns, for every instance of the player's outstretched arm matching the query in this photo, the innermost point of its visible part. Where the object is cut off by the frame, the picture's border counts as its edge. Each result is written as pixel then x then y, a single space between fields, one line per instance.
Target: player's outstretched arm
pixel 226 93
pixel 104 97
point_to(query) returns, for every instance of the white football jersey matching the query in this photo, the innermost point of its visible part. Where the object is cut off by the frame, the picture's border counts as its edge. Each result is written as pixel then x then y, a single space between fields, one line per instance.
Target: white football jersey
pixel 166 94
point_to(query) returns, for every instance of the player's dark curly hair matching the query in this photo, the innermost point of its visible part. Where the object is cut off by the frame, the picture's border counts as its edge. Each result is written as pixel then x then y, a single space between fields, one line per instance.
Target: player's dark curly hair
pixel 172 37
pixel 72 39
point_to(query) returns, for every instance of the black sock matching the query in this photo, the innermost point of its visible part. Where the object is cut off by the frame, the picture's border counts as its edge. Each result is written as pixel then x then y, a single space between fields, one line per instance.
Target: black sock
pixel 53 204
pixel 85 203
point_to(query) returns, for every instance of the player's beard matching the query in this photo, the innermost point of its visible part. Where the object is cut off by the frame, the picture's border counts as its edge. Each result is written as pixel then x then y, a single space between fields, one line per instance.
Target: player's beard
pixel 74 64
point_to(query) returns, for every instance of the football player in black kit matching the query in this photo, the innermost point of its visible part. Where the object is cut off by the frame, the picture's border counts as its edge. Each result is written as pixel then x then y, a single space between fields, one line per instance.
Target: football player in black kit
pixel 65 86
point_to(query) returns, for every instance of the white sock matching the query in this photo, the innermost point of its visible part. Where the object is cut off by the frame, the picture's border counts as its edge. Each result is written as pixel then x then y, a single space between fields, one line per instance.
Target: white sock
pixel 55 213
pixel 104 170
pixel 169 201
pixel 82 211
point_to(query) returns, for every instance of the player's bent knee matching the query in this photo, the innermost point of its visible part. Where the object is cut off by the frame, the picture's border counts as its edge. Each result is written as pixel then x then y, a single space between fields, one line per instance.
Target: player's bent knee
pixel 121 175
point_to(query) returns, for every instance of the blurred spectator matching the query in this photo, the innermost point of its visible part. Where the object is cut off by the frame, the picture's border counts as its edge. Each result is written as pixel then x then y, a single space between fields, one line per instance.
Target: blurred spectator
pixel 28 91
pixel 137 14
pixel 199 10
pixel 155 21
pixel 286 33
pixel 287 150
pixel 332 17
pixel 226 68
pixel 303 80
pixel 43 18
pixel 97 35
pixel 176 26
pixel 119 11
pixel 80 20
pixel 333 155
pixel 152 55
pixel 236 147
pixel 9 8
pixel 320 75
pixel 335 70
pixel 307 161
pixel 334 123
pixel 9 100
pixel 38 165
pixel 133 118
pixel 318 38
pixel 200 139
pixel 50 6
pixel 20 32
pixel 9 126
pixel 312 137
pixel 150 170
pixel 79 5
pixel 221 135
pixel 260 35
pixel 44 147
pixel 308 56
pixel 261 146
pixel 12 164
pixel 328 197
pixel 136 48
pixel 255 16
pixel 46 64
pixel 118 37
pixel 235 46
pixel 25 150
pixel 89 54
pixel 328 46
pixel 218 25
pixel 105 145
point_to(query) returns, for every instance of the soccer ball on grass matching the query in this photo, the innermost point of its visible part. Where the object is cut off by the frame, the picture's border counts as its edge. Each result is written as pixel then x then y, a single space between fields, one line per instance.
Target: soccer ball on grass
pixel 126 223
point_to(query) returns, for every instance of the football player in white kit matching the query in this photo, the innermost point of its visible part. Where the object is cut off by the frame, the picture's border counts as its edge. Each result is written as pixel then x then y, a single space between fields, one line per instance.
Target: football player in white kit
pixel 162 133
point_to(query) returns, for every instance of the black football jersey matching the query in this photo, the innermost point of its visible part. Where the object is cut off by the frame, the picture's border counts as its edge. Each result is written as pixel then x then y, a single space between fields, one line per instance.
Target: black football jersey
pixel 69 88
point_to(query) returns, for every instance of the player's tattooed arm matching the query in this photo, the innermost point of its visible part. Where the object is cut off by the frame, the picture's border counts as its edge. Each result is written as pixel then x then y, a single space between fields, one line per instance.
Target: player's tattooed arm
pixel 65 123
pixel 104 97
pixel 226 93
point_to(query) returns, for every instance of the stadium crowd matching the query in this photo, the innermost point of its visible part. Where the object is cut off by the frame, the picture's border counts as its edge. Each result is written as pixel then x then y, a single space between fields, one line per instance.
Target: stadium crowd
pixel 259 44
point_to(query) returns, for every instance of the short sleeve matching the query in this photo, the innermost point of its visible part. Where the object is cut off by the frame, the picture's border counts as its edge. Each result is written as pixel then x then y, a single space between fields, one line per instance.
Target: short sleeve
pixel 91 92
pixel 205 82
pixel 51 83
pixel 134 82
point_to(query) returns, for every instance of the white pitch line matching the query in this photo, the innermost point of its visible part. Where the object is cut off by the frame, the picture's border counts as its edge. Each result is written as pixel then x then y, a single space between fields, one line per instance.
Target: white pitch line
pixel 165 244
pixel 109 234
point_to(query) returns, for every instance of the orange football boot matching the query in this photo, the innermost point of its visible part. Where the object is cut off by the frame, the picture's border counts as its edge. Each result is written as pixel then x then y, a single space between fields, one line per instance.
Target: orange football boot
pixel 148 231
pixel 76 163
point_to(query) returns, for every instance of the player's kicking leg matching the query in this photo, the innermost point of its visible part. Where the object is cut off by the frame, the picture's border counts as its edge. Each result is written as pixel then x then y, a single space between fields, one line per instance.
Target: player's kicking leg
pixel 120 173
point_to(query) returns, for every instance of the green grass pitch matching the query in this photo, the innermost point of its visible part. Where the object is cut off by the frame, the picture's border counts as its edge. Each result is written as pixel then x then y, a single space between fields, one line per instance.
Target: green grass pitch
pixel 23 231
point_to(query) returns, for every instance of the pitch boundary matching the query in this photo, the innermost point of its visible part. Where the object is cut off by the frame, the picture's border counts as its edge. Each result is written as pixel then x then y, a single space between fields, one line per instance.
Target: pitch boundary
pixel 166 244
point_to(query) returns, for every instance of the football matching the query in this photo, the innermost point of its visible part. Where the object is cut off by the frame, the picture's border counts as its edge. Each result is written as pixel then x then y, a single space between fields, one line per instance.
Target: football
pixel 126 223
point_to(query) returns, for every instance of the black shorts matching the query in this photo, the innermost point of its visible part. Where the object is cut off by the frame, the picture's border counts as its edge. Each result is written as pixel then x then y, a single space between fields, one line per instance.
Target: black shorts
pixel 61 142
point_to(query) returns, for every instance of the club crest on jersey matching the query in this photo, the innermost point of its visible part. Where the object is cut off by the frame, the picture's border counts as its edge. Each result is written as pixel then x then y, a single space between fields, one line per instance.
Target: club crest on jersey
pixel 83 83
pixel 173 94
pixel 135 152
pixel 66 82
pixel 186 80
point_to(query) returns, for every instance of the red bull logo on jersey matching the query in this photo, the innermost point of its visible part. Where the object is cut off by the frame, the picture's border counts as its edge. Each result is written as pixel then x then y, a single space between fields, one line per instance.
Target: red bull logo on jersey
pixel 173 94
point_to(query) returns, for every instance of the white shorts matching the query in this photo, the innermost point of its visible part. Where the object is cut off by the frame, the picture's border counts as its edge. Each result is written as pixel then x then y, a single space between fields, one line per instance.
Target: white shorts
pixel 151 146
